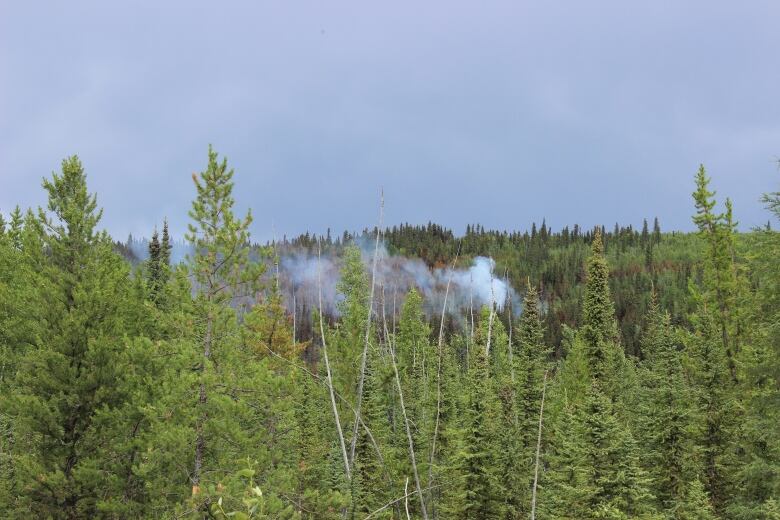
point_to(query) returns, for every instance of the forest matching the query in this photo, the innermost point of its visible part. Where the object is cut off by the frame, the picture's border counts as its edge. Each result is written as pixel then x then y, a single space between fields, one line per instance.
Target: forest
pixel 390 373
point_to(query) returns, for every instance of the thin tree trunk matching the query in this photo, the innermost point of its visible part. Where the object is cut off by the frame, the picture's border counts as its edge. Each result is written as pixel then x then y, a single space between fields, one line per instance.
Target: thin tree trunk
pixel 295 312
pixel 440 354
pixel 343 400
pixel 509 320
pixel 392 502
pixel 471 304
pixel 200 440
pixel 491 317
pixel 362 379
pixel 327 369
pixel 538 450
pixel 406 499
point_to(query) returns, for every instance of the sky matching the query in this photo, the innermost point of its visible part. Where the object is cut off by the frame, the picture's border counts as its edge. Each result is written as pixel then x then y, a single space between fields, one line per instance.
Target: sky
pixel 501 113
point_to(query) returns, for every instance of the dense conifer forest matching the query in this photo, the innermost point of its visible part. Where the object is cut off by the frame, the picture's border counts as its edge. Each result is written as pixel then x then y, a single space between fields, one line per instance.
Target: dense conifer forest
pixel 605 373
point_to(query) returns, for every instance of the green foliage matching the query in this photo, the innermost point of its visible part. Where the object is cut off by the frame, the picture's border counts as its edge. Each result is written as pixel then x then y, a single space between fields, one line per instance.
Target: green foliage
pixel 163 391
pixel 665 415
pixel 71 386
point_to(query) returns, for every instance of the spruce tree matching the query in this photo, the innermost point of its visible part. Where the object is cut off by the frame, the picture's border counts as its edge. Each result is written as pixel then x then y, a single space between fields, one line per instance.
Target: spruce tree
pixel 154 267
pixel 759 472
pixel 448 471
pixel 720 288
pixel 480 445
pixel 316 496
pixel 418 371
pixel 531 358
pixel 664 413
pixel 595 467
pixel 165 250
pixel 716 410
pixel 370 490
pixel 695 505
pixel 354 291
pixel 599 330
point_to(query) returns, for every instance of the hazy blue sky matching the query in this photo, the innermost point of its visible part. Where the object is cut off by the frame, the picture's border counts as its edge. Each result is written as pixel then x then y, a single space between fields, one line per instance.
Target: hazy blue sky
pixel 493 112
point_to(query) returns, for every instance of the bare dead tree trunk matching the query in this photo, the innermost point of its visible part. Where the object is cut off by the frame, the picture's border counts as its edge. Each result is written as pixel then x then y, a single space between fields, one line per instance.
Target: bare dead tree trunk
pixel 327 369
pixel 538 450
pixel 295 312
pixel 491 317
pixel 362 379
pixel 406 499
pixel 440 354
pixel 471 304
pixel 509 320
pixel 342 399
pixel 395 292
pixel 385 330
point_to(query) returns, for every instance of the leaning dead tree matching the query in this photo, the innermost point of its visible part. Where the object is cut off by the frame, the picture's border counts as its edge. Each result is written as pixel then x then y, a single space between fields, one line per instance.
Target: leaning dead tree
pixel 362 379
pixel 538 450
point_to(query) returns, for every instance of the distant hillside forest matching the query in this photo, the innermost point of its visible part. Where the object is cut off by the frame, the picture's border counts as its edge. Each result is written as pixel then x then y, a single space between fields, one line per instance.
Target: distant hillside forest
pixel 551 261
pixel 398 372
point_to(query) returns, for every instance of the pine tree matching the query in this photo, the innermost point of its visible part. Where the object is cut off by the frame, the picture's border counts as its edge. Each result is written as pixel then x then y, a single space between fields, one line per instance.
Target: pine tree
pixel 21 324
pixel 15 227
pixel 223 273
pixel 69 389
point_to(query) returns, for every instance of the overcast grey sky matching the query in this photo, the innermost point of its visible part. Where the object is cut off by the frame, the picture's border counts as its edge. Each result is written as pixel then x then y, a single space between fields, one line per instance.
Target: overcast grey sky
pixel 494 112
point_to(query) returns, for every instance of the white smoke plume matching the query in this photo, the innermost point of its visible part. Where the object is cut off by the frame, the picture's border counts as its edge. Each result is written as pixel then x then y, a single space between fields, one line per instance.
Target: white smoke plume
pixel 471 287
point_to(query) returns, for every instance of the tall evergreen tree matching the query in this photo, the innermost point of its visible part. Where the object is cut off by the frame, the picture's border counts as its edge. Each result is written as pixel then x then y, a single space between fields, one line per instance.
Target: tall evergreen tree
pixel 715 428
pixel 478 490
pixel 664 414
pixel 68 395
pixel 370 490
pixel 598 315
pixel 223 273
pixel 720 283
pixel 531 360
pixel 165 249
